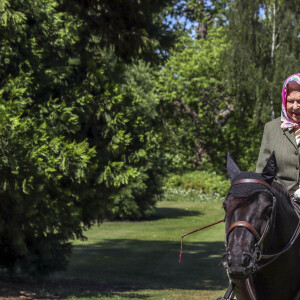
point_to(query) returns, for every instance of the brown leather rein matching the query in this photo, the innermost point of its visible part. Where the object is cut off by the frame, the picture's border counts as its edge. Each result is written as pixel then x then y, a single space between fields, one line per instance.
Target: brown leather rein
pixel 258 247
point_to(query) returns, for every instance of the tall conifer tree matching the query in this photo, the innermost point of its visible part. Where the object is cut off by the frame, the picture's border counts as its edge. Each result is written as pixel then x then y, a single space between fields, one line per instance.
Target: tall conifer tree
pixel 77 140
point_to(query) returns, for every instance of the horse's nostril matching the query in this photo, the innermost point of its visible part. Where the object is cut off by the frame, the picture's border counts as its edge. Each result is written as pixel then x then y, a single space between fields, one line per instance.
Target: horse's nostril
pixel 226 259
pixel 225 256
pixel 229 261
pixel 246 259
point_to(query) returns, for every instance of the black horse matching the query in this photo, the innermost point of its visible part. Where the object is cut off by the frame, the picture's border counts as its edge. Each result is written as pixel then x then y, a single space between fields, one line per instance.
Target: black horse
pixel 262 256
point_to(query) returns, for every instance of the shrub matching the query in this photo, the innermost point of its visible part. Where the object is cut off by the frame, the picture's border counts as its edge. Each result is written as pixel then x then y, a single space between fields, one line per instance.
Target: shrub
pixel 183 195
pixel 206 182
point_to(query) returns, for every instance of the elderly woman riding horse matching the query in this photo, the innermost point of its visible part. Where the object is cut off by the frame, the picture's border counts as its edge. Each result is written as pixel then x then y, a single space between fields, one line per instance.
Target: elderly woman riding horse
pixel 262 254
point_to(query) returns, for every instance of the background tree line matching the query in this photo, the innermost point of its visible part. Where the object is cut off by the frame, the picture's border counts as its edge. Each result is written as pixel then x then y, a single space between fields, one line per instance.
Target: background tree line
pixel 101 99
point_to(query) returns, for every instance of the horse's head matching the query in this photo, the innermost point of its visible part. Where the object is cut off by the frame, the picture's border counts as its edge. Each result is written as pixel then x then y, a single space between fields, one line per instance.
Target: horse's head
pixel 249 208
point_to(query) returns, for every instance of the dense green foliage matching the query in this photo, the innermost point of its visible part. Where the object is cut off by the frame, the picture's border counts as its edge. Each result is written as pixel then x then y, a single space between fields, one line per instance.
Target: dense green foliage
pixel 196 103
pixel 197 16
pixel 205 182
pixel 78 141
pixel 202 181
pixel 133 29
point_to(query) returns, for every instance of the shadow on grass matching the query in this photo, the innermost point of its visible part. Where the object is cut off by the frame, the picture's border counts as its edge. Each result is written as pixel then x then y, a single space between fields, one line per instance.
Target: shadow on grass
pixel 123 267
pixel 150 264
pixel 172 213
pixel 25 289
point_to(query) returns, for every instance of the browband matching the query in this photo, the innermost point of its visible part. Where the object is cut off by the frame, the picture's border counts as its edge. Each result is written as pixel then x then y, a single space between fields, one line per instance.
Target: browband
pixel 251 181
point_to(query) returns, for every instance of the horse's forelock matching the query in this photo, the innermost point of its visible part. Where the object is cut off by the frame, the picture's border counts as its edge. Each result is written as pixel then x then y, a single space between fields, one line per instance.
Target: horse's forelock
pixel 231 202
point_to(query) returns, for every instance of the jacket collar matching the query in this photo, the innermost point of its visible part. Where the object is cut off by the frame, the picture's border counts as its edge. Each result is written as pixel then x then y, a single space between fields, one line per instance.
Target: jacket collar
pixel 290 136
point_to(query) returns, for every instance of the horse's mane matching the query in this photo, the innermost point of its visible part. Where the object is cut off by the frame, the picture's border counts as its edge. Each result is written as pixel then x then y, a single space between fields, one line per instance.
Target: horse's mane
pixel 282 195
pixel 280 189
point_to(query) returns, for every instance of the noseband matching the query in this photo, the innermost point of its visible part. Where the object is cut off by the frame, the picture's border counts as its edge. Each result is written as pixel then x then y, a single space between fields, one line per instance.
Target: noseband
pixel 258 247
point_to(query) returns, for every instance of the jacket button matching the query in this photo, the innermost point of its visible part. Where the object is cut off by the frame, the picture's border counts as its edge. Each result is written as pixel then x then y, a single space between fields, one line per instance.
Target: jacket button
pixel 297 167
pixel 296 152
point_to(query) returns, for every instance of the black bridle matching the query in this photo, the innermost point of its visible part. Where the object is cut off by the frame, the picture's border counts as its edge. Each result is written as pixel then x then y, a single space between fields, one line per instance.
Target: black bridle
pixel 259 255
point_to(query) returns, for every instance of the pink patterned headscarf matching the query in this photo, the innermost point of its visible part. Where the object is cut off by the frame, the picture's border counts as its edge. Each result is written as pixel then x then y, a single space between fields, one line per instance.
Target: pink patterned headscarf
pixel 287 122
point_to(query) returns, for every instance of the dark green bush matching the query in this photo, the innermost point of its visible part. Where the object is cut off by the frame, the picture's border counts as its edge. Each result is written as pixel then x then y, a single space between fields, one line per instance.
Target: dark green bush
pixel 78 138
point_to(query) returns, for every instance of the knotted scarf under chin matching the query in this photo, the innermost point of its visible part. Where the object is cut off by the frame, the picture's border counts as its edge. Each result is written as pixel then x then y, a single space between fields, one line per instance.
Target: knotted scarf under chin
pixel 247 189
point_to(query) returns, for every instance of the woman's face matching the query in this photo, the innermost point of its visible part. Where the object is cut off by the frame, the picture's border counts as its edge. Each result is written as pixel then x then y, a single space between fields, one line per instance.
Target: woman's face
pixel 293 105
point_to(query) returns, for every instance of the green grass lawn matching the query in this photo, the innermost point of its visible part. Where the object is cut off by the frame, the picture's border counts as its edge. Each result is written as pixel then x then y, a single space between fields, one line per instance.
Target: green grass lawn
pixel 126 260
pixel 139 260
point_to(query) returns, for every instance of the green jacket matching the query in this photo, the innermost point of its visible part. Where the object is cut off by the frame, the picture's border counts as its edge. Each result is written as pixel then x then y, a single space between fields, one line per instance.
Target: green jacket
pixel 283 143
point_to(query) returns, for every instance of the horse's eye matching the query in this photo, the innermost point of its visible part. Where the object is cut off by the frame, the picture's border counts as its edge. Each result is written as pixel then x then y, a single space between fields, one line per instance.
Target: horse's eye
pixel 267 211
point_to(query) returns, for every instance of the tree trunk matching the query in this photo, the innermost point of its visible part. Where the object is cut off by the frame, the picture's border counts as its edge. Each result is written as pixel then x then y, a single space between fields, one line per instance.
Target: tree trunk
pixel 272 57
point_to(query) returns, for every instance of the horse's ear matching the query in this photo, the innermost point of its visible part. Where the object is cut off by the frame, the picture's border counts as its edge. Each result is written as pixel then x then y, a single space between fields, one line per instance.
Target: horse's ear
pixel 232 169
pixel 269 171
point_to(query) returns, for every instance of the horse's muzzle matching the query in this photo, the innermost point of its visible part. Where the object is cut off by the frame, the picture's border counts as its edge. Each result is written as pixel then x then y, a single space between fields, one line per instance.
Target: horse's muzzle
pixel 239 266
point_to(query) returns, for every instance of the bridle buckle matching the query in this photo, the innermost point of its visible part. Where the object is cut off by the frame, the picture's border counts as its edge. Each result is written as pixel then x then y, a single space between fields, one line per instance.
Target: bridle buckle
pixel 257 254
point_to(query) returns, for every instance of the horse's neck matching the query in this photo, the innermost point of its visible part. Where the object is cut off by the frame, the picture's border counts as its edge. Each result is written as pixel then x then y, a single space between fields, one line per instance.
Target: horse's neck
pixel 285 223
